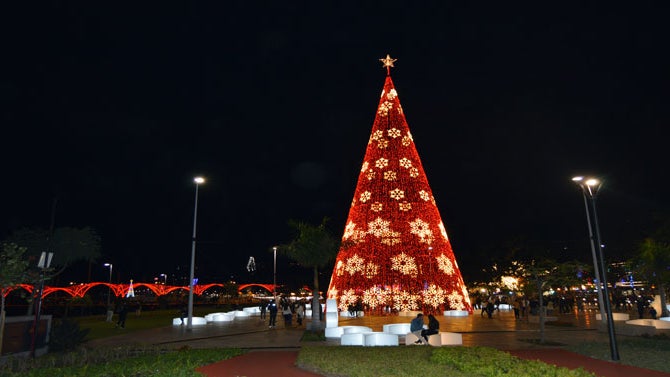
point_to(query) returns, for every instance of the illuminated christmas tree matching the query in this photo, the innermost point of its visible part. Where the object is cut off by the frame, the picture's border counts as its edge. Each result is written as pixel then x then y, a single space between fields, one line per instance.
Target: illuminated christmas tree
pixel 395 250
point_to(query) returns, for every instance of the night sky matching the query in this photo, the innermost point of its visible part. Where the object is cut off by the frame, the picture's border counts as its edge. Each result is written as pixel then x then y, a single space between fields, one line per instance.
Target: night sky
pixel 113 111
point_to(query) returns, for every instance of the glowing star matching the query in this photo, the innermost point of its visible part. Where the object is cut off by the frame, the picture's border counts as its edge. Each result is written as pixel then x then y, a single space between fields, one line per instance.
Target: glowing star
pixel 424 195
pixel 365 196
pixel 378 227
pixel 405 163
pixel 371 270
pixel 433 296
pixel 347 297
pixel 354 264
pixel 413 172
pixel 394 132
pixel 404 206
pixel 422 230
pixel 382 163
pixel 397 194
pixel 443 231
pixel 390 175
pixel 405 301
pixel 404 264
pixel 384 108
pixel 364 167
pixel 376 206
pixel 388 62
pixel 455 301
pixel 444 264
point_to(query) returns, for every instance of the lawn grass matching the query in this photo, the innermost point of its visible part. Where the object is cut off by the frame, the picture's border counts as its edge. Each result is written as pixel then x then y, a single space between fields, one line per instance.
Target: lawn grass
pixel 425 362
pixel 650 353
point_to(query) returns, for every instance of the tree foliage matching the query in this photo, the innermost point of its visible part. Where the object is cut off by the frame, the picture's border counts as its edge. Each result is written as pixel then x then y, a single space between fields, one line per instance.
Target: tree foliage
pixel 13 270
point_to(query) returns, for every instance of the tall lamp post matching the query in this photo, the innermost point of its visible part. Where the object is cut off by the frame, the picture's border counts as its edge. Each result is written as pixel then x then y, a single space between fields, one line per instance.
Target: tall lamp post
pixel 43 264
pixel 274 279
pixel 110 312
pixel 590 187
pixel 189 326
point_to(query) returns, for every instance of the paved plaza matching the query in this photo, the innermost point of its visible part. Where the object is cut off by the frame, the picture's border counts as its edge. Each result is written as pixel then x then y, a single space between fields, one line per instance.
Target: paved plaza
pixel 503 331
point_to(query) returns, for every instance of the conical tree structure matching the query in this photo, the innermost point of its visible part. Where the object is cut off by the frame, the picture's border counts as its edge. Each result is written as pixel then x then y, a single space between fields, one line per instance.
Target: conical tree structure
pixel 395 252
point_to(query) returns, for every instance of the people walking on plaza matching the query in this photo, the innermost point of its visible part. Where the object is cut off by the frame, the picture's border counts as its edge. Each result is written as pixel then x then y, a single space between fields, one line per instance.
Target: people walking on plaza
pixel 516 305
pixel 263 308
pixel 640 307
pixel 123 313
pixel 433 327
pixel 272 308
pixel 288 314
pixel 490 308
pixel 652 312
pixel 299 313
pixel 183 313
pixel 416 327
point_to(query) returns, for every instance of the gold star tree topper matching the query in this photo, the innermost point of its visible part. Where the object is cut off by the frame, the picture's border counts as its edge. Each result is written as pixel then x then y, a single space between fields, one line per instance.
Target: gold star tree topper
pixel 388 63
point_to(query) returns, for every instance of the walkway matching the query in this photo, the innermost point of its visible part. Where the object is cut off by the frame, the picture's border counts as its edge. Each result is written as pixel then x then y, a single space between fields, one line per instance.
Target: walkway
pixel 279 347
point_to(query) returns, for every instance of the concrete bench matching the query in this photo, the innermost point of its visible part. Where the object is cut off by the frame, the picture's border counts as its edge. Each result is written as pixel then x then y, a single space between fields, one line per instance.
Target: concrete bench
pixel 375 339
pixel 456 313
pixel 196 321
pixel 396 328
pixel 615 317
pixel 437 340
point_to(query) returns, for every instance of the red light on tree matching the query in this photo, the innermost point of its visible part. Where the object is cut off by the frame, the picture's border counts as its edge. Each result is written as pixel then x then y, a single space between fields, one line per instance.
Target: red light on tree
pixel 395 250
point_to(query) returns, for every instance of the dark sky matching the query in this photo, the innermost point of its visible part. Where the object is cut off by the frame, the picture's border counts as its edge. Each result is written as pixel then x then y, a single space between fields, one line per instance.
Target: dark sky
pixel 113 110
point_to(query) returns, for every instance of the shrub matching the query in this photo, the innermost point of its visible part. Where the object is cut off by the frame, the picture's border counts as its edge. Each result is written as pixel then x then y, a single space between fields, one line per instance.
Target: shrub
pixel 66 335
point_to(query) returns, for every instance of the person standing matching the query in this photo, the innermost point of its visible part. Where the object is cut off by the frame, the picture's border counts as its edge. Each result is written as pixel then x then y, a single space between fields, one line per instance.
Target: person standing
pixel 433 327
pixel 272 308
pixel 299 313
pixel 123 313
pixel 287 313
pixel 416 327
pixel 263 308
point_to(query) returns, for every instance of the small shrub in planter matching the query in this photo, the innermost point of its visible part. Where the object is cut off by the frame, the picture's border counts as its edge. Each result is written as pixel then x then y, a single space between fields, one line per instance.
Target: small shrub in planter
pixel 66 335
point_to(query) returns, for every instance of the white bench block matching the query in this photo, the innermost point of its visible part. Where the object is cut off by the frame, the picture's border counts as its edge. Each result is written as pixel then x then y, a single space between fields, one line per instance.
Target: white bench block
pixel 667 319
pixel 456 313
pixel 353 339
pixel 410 338
pixel 331 319
pixel 241 313
pixel 334 332
pixel 177 321
pixel 197 321
pixel 615 316
pixel 396 328
pixel 308 313
pixel 374 339
pixel 355 329
pixel 435 340
pixel 451 338
pixel 331 305
pixel 252 310
pixel 223 317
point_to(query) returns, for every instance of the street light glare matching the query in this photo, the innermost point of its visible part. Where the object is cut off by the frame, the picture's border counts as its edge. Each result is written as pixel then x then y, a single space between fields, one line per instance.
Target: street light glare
pixel 578 178
pixel 107 264
pixel 199 180
pixel 592 182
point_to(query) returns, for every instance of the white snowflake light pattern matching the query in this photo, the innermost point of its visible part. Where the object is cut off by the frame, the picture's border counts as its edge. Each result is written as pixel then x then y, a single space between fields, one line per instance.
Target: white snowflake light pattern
pixel 339 268
pixel 405 163
pixel 405 206
pixel 413 172
pixel 392 94
pixel 405 301
pixel 354 264
pixel 370 174
pixel 371 270
pixel 455 301
pixel 379 227
pixel 443 231
pixel 445 265
pixel 347 297
pixel 374 297
pixel 424 195
pixel 382 143
pixel 384 108
pixel 349 230
pixel 377 135
pixel 376 206
pixel 397 194
pixel 364 167
pixel 382 163
pixel 365 196
pixel 422 230
pixel 434 296
pixel 407 140
pixel 394 132
pixel 404 264
pixel 390 175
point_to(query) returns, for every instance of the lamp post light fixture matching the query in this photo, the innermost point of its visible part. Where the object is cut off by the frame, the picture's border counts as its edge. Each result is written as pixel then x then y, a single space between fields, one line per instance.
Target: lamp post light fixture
pixel 189 326
pixel 110 312
pixel 590 188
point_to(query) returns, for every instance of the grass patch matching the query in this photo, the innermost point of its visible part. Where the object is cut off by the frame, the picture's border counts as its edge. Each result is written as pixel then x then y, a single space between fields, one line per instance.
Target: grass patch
pixel 424 361
pixel 98 328
pixel 118 362
pixel 310 336
pixel 650 353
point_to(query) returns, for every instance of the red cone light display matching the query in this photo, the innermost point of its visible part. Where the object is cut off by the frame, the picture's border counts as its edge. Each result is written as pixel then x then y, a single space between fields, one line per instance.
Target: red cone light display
pixel 395 252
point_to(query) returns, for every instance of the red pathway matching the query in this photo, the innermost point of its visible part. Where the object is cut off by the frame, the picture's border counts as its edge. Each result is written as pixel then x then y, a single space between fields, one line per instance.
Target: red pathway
pixel 281 363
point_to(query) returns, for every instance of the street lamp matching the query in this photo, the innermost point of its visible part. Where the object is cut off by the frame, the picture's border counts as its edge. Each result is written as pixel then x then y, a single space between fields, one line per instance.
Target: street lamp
pixel 164 276
pixel 43 264
pixel 110 312
pixel 590 187
pixel 198 181
pixel 274 280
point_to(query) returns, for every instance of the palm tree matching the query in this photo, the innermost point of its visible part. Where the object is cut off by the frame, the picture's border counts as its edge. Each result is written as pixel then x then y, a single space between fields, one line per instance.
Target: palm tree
pixel 313 247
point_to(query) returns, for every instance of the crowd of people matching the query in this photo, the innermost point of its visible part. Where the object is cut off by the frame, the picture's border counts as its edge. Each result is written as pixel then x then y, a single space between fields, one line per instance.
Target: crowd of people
pixel 289 310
